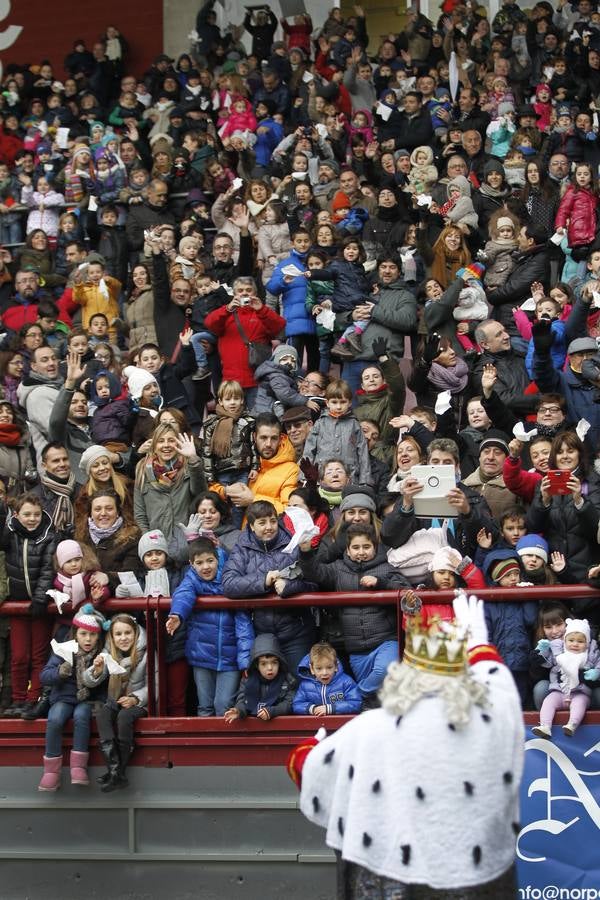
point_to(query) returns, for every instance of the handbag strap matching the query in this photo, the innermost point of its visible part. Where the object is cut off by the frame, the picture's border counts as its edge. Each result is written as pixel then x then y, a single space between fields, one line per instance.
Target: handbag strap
pixel 238 325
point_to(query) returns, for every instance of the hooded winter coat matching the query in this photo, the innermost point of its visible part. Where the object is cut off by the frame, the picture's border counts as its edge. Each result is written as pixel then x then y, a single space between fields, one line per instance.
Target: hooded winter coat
pixel 293 295
pixel 510 623
pixel 276 385
pixel 341 696
pixel 463 211
pixel 256 692
pixel 137 685
pixel 244 576
pixel 216 639
pixel 578 213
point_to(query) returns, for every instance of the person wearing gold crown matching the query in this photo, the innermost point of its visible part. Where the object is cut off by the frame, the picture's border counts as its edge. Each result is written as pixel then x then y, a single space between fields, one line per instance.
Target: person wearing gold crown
pixel 420 798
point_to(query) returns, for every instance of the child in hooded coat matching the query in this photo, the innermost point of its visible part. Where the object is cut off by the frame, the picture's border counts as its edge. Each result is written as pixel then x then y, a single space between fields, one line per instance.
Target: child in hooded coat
pixel 498 251
pixel 423 174
pixel 260 696
pixel 110 419
pixel 241 117
pixel 459 209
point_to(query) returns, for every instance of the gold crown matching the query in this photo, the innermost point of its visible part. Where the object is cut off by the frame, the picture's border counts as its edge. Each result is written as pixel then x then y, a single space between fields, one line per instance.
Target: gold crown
pixel 437 649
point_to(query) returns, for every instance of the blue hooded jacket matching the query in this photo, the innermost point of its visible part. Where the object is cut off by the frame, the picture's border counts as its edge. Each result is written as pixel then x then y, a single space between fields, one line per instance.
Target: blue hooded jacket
pixel 293 295
pixel 216 639
pixel 510 624
pixel 341 696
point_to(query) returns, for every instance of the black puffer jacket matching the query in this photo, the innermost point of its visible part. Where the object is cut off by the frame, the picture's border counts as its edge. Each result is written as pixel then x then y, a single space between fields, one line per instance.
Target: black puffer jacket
pixel 571 531
pixel 364 628
pixel 28 560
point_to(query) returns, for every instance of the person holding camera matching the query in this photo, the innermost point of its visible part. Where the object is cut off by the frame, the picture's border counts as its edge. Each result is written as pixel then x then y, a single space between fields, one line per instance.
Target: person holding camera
pixel 244 328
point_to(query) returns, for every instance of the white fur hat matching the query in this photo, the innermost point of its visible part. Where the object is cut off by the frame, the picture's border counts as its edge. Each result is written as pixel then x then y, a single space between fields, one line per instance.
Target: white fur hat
pixel 579 626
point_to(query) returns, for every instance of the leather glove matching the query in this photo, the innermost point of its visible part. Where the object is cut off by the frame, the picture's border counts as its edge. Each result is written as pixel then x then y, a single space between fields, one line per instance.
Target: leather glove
pixel 542 336
pixel 432 348
pixel 65 670
pixel 309 470
pixel 542 645
pixel 380 347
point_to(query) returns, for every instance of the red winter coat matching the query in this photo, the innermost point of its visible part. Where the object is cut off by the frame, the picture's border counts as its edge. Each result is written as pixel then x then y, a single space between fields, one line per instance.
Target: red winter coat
pixel 259 325
pixel 578 207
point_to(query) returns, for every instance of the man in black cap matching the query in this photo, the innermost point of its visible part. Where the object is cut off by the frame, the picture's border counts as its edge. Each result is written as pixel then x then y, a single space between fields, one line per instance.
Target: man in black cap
pixel 487 479
pixel 297 422
pixel 527 120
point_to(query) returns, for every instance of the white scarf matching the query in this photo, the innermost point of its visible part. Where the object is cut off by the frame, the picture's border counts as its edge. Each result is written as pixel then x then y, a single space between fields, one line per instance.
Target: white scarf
pixel 570 664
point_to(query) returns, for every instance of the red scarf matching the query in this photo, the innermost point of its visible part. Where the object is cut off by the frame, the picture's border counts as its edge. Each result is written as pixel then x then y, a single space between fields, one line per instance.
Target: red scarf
pixel 10 435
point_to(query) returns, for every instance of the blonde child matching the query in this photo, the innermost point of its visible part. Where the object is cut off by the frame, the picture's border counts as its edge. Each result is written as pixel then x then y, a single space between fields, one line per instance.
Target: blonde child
pixel 186 264
pixel 97 292
pixel 228 450
pixel 324 688
pixel 567 658
pixel 274 242
pixel 127 696
pixel 71 698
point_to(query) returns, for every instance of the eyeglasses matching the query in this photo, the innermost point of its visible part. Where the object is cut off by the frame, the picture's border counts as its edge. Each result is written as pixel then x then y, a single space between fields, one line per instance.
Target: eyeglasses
pixel 549 409
pixel 315 384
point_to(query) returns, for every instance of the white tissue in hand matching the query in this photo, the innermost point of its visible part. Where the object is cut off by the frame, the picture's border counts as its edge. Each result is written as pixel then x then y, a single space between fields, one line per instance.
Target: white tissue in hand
pixel 113 666
pixel 59 598
pixel 326 318
pixel 442 404
pixel 522 434
pixel 65 650
pixel 304 527
pixel 582 428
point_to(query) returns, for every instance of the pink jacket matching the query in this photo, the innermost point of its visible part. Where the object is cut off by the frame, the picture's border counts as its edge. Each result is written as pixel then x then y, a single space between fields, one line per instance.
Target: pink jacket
pixel 577 213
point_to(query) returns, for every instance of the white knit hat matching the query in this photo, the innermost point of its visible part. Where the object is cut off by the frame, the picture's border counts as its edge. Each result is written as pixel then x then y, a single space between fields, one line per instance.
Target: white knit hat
pixel 579 626
pixel 446 558
pixel 91 455
pixel 152 540
pixel 137 380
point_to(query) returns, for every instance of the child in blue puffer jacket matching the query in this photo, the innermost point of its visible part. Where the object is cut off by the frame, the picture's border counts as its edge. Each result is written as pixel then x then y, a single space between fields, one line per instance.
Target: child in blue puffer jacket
pixel 218 641
pixel 325 689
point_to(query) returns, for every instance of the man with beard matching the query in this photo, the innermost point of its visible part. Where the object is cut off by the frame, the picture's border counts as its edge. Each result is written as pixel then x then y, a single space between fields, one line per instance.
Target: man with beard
pixel 22 308
pixel 69 423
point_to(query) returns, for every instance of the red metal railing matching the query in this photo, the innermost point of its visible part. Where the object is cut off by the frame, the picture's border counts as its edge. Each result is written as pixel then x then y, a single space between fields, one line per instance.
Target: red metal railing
pixel 157 609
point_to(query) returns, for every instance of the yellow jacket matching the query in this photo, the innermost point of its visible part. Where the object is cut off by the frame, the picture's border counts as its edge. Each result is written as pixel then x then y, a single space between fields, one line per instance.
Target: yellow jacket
pixel 92 301
pixel 277 478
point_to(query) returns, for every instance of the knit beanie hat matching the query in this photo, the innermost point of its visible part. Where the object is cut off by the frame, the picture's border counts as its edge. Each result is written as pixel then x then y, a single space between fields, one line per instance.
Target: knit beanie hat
pixel 332 164
pixel 66 551
pixel 579 626
pixel 473 271
pixel 357 501
pixel 89 619
pixel 446 558
pixel 340 201
pixel 506 107
pixel 533 545
pixel 503 567
pixel 91 455
pixel 152 540
pixel 505 222
pixel 137 380
pixel 284 350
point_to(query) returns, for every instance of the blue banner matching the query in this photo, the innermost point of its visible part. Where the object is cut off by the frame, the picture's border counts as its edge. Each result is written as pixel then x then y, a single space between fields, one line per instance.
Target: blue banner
pixel 558 848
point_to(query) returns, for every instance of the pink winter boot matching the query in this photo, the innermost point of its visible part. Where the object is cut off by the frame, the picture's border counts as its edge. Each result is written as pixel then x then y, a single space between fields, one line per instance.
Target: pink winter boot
pixel 78 763
pixel 51 777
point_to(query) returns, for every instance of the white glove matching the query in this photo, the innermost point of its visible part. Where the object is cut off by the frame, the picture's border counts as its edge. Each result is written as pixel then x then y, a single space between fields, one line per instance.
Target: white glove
pixel 470 616
pixel 442 403
pixel 193 527
pixel 122 590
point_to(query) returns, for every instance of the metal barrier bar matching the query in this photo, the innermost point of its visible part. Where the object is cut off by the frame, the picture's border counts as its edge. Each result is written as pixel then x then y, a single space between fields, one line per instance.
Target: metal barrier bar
pixel 156 610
